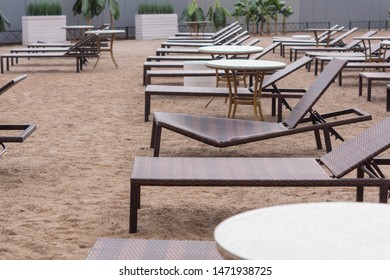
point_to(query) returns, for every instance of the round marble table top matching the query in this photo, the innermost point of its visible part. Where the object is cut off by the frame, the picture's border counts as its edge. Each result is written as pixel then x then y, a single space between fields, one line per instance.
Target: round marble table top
pixel 245 64
pixel 230 49
pixel 310 231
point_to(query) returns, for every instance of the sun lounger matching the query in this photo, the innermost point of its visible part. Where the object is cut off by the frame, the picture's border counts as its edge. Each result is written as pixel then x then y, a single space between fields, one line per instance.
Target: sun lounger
pixel 152 249
pixel 147 78
pixel 210 36
pixel 269 85
pixel 23 130
pixel 81 51
pixel 224 132
pixel 293 42
pixel 230 34
pixel 371 76
pixel 354 45
pixel 359 153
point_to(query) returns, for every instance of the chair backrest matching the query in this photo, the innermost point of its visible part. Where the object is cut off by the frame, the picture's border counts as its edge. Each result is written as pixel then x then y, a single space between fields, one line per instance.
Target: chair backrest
pixel 358 150
pixel 280 74
pixel 11 83
pixel 314 92
pixel 265 51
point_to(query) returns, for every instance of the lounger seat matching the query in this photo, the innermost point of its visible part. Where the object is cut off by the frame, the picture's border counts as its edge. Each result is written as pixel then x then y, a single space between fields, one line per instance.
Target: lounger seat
pixel 220 132
pixel 359 153
pixel 152 249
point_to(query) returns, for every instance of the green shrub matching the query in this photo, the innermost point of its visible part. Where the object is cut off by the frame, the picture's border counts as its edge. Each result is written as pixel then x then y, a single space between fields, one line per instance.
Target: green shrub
pixel 155 8
pixel 44 9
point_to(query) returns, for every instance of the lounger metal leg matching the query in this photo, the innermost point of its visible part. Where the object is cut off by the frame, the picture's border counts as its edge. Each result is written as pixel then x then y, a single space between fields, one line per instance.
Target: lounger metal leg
pixel 360 85
pixel 360 190
pixel 153 136
pixel 2 65
pixel 134 205
pixel 147 107
pixel 318 139
pixel 328 142
pixel 369 83
pixel 157 141
pixel 383 194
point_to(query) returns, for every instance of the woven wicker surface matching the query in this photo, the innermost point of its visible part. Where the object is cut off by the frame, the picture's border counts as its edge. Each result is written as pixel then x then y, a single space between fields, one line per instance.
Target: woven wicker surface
pixel 227 169
pixel 142 249
pixel 221 132
pixel 359 149
pixel 218 131
pixel 315 91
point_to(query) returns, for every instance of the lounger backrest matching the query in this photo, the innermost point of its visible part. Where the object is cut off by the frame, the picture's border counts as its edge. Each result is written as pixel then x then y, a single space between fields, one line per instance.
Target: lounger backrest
pixel 359 150
pixel 342 36
pixel 81 43
pixel 224 30
pixel 314 92
pixel 354 43
pixel 324 36
pixel 280 74
pixel 230 34
pixel 11 83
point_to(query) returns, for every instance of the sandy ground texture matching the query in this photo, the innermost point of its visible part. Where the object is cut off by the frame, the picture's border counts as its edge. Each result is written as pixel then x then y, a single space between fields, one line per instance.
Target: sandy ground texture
pixel 68 184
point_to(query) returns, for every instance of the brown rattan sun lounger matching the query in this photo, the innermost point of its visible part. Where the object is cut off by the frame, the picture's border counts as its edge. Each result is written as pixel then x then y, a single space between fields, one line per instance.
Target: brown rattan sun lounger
pixel 23 130
pixel 148 74
pixel 268 83
pixel 202 36
pixel 335 45
pixel 223 132
pixel 327 171
pixel 81 51
pixel 152 249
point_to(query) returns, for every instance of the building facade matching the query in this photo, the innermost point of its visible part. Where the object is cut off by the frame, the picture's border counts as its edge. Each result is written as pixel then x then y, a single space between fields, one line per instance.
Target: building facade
pixel 343 12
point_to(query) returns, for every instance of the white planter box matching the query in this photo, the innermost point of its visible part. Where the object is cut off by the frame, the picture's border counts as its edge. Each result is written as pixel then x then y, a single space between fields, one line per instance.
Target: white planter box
pixel 43 28
pixel 155 26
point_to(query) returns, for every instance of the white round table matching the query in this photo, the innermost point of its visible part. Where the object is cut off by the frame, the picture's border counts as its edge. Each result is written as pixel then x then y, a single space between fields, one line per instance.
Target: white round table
pixel 310 231
pixel 301 37
pixel 106 32
pixel 258 67
pixel 232 50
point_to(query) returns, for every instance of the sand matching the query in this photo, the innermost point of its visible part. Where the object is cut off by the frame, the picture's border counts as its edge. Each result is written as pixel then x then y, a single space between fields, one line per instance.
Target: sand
pixel 68 184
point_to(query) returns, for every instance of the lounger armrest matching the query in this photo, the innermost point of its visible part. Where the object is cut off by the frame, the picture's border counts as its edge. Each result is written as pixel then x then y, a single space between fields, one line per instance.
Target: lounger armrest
pixel 4 149
pixel 25 130
pixel 382 161
pixel 21 77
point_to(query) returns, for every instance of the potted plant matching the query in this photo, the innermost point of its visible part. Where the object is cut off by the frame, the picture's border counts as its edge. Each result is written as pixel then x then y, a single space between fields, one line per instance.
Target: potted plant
pixel 217 15
pixel 194 16
pixel 91 8
pixel 3 22
pixel 43 22
pixel 155 21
